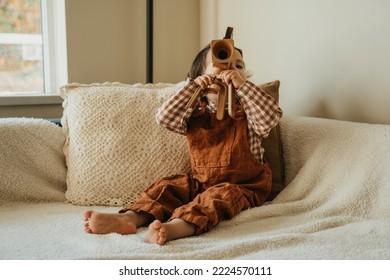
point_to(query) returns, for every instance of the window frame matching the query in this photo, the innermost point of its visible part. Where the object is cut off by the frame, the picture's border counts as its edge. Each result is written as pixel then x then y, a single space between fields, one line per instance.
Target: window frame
pixel 54 58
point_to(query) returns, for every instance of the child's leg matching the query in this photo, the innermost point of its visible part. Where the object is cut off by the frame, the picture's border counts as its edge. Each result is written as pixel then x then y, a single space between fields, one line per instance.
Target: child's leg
pixel 165 195
pixel 161 233
pixel 157 202
pixel 123 223
pixel 216 203
pixel 203 213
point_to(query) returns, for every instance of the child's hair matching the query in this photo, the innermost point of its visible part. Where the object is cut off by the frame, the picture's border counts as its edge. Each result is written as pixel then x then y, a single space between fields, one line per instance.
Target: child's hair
pixel 198 65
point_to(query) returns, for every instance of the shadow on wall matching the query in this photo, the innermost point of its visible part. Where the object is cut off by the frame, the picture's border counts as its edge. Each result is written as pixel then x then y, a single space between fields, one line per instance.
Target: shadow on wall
pixel 351 104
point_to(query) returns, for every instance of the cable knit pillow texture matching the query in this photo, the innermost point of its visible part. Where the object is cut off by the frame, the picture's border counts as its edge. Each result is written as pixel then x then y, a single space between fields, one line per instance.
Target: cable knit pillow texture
pixel 115 149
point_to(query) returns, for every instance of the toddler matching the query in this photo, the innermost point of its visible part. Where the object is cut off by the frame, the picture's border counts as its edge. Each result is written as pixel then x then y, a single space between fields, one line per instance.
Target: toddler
pixel 228 175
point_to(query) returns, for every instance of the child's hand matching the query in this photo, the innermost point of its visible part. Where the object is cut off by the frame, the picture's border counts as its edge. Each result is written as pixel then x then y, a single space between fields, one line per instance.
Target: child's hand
pixel 236 76
pixel 205 80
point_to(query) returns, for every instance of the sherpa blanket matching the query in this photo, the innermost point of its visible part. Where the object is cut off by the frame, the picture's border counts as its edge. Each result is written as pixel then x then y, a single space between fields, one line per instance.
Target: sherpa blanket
pixel 335 206
pixel 32 162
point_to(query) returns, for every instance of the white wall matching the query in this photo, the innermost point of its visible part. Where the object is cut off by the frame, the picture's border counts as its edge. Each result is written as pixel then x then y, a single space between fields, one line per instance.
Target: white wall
pixel 332 57
pixel 176 38
pixel 107 40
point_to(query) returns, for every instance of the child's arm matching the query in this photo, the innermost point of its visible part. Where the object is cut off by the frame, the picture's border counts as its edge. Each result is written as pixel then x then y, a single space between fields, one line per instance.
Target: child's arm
pixel 173 114
pixel 262 110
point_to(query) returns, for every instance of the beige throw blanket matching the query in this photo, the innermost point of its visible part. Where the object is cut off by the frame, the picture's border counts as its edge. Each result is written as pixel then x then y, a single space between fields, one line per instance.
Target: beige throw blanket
pixel 32 164
pixel 336 206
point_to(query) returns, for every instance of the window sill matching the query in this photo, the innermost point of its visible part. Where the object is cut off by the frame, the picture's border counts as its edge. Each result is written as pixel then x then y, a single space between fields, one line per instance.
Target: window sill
pixel 30 99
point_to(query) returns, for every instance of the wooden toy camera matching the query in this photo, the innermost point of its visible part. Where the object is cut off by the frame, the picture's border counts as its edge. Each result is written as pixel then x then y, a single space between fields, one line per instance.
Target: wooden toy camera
pixel 222 56
pixel 222 51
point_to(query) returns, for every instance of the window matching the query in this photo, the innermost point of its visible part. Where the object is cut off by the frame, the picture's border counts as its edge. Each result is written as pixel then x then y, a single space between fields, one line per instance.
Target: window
pixel 32 47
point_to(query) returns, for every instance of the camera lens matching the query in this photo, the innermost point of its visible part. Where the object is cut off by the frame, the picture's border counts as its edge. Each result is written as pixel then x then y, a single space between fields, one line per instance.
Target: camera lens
pixel 223 54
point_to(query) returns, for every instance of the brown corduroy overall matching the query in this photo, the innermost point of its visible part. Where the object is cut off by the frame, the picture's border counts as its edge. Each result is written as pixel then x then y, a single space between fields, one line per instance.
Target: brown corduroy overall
pixel 226 178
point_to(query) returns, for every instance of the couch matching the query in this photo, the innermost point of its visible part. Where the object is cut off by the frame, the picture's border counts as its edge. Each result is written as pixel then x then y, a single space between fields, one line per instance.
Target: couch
pixel 330 196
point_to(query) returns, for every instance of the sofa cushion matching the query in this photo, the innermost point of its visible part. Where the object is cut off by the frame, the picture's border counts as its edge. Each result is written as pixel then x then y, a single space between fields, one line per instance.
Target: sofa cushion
pixel 32 165
pixel 273 146
pixel 114 148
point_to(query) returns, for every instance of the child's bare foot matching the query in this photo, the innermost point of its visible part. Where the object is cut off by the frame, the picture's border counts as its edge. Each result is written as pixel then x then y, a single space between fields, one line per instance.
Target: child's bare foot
pixel 102 223
pixel 161 233
pixel 156 233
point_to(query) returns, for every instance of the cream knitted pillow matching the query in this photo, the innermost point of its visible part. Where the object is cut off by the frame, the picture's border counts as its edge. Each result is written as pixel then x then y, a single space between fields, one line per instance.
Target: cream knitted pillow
pixel 114 148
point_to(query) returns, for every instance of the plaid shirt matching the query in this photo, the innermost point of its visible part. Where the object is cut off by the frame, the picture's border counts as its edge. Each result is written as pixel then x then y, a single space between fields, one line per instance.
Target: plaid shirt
pixel 262 111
